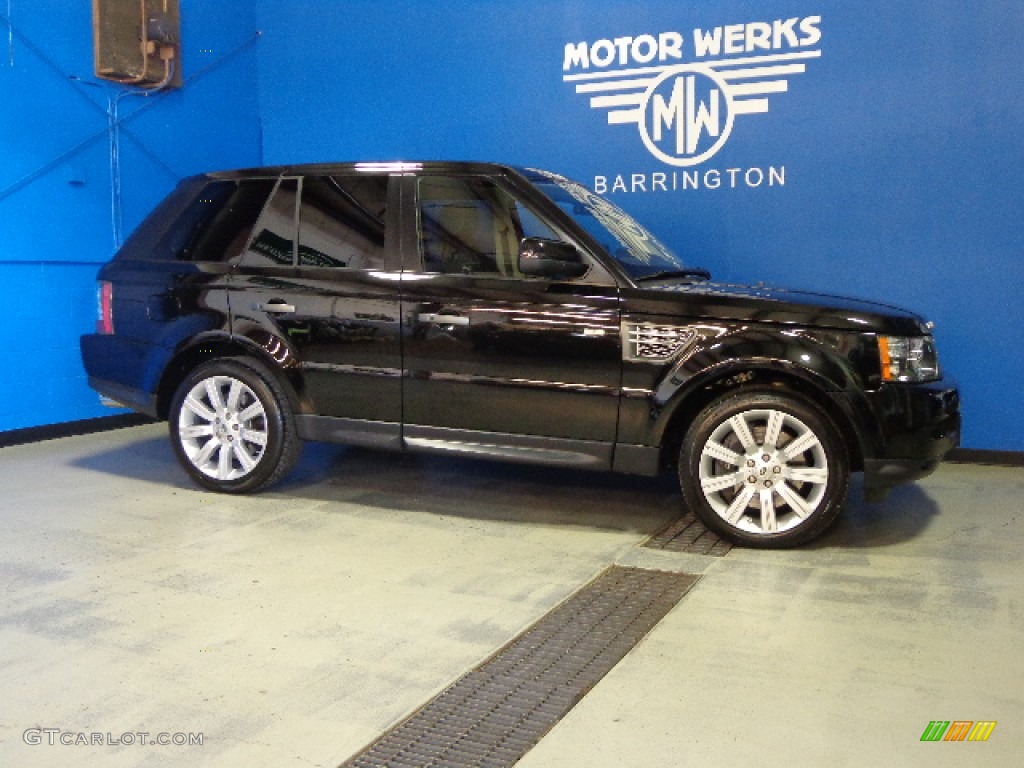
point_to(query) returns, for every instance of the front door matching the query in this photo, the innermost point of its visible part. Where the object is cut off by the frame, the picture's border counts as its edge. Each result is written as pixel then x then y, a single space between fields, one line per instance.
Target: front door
pixel 496 362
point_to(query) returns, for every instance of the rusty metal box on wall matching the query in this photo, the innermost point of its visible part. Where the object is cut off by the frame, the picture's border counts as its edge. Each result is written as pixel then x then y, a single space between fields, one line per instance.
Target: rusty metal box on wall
pixel 136 42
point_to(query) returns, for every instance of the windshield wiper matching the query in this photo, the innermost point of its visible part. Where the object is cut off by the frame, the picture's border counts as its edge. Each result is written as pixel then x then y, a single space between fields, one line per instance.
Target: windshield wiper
pixel 668 273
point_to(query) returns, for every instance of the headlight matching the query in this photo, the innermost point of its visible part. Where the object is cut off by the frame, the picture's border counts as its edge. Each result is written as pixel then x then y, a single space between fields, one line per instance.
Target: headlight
pixel 908 358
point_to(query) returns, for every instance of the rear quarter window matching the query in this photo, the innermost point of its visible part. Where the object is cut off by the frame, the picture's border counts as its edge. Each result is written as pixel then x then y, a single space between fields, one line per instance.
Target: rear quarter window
pixel 202 220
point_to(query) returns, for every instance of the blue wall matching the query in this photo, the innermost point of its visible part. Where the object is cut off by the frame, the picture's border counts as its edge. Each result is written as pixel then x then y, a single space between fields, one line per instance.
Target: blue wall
pixel 900 143
pixel 55 177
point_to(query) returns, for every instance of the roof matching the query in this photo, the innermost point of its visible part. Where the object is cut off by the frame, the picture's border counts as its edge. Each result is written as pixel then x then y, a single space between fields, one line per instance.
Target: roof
pixel 443 166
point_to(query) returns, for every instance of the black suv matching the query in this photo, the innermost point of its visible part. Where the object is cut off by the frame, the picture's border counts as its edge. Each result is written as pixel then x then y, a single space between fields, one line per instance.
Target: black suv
pixel 509 313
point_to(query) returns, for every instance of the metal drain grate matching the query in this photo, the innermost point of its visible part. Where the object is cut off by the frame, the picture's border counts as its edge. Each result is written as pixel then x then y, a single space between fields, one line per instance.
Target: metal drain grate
pixel 493 715
pixel 688 534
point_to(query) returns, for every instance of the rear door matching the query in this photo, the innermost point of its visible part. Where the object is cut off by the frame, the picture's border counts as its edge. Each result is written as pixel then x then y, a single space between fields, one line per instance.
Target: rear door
pixel 318 289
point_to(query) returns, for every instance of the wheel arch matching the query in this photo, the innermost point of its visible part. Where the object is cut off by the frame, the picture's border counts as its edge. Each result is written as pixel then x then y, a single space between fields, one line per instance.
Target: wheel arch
pixel 216 347
pixel 689 401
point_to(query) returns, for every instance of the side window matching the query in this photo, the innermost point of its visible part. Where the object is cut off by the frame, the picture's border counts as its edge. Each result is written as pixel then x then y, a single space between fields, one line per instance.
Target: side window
pixel 213 225
pixel 469 225
pixel 342 220
pixel 273 237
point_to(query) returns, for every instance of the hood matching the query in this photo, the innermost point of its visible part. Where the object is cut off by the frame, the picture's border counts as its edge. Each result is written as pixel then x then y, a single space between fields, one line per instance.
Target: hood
pixel 765 304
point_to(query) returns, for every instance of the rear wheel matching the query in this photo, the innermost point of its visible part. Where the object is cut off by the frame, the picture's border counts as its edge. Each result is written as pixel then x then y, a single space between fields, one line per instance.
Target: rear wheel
pixel 231 427
pixel 764 469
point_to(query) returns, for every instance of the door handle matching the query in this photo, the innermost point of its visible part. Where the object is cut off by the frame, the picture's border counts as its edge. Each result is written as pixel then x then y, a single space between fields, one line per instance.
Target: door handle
pixel 277 307
pixel 438 319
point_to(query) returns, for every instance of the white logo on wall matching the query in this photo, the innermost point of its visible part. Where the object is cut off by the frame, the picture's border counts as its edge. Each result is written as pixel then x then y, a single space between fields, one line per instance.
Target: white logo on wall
pixel 686 94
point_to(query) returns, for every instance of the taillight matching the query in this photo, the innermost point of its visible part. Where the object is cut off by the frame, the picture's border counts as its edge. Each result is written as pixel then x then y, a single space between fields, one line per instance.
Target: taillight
pixel 104 308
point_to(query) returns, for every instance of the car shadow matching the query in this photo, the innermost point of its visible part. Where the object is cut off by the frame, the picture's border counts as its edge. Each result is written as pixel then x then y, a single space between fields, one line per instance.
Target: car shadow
pixel 903 516
pixel 500 491
pixel 483 489
pixel 431 484
pixel 148 459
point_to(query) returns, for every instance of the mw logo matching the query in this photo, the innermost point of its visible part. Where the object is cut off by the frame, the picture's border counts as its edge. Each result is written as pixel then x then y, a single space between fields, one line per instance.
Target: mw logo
pixel 958 730
pixel 687 115
pixel 685 112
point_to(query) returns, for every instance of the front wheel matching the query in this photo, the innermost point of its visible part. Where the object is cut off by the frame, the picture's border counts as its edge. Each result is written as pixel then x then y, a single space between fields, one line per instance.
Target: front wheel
pixel 764 469
pixel 231 427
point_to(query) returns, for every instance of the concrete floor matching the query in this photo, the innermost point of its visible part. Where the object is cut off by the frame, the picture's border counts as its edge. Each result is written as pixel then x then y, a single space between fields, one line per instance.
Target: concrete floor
pixel 291 628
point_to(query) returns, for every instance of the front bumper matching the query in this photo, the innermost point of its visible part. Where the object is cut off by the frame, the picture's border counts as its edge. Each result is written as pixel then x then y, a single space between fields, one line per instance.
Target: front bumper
pixel 918 425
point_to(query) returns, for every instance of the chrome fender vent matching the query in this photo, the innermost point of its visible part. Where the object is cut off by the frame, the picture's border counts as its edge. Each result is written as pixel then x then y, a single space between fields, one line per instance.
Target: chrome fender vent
pixel 653 343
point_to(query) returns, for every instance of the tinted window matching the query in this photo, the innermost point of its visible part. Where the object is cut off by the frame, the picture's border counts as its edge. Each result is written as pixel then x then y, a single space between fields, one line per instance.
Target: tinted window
pixel 220 219
pixel 200 221
pixel 273 238
pixel 341 223
pixel 470 225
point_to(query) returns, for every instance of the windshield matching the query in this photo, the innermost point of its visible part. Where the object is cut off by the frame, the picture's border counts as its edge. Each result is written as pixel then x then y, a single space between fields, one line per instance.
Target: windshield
pixel 639 252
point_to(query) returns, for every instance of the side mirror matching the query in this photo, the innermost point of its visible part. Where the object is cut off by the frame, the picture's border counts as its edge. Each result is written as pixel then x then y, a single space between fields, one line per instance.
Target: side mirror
pixel 550 258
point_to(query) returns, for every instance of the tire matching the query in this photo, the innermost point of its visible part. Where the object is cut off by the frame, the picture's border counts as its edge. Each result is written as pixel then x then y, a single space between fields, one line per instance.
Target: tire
pixel 231 426
pixel 764 469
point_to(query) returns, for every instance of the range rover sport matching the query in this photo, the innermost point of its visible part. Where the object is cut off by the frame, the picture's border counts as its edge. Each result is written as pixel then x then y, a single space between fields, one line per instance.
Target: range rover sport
pixel 509 313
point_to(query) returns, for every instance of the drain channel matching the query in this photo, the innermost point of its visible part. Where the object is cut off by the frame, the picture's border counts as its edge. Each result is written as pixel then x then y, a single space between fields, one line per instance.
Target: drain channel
pixel 495 714
pixel 688 534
